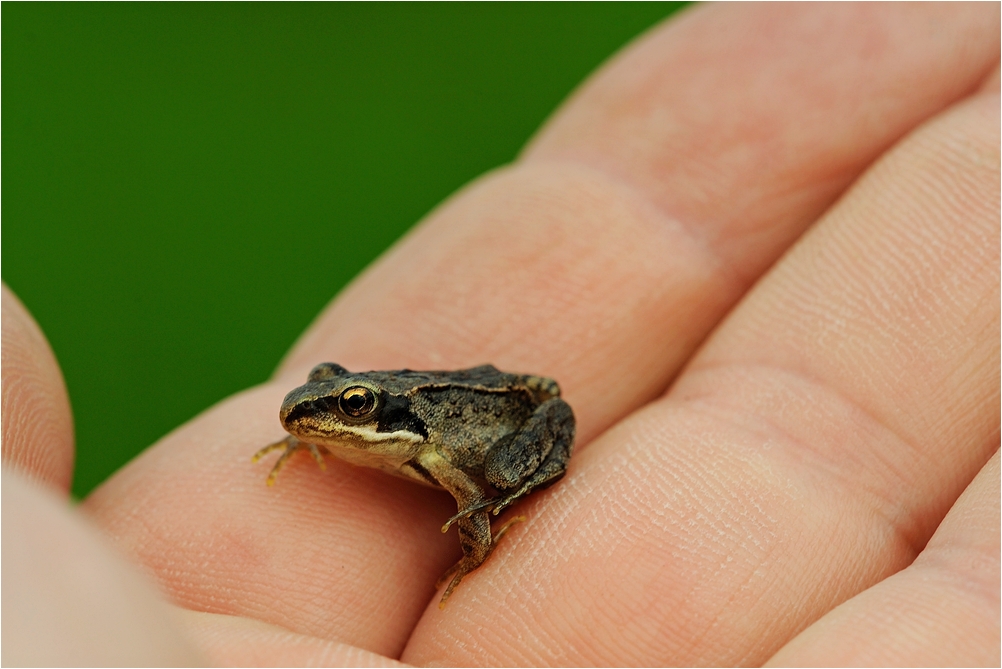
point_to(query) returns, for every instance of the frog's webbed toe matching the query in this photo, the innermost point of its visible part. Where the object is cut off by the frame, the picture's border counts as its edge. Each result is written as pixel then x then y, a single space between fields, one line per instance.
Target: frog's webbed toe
pixel 290 444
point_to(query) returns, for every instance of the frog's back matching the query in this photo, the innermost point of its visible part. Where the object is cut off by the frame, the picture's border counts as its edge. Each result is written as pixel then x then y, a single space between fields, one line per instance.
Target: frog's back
pixel 469 410
pixel 485 377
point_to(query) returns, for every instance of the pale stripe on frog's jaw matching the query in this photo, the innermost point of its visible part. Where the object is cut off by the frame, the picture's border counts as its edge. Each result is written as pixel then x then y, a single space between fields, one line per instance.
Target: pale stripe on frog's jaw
pixel 369 433
pixel 389 451
pixel 358 435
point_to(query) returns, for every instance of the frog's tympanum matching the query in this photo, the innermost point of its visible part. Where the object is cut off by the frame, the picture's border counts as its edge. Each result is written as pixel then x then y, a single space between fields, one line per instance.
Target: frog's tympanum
pixel 487 437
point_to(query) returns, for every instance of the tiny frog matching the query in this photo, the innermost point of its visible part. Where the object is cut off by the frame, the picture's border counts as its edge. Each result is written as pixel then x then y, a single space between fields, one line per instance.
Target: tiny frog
pixel 487 437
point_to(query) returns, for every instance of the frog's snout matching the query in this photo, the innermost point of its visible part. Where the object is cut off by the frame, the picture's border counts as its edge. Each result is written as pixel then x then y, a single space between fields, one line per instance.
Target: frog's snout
pixel 302 403
pixel 289 405
pixel 283 413
pixel 307 403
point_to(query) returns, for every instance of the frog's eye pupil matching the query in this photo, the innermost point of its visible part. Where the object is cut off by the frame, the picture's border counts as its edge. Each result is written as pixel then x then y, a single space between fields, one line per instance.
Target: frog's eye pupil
pixel 357 402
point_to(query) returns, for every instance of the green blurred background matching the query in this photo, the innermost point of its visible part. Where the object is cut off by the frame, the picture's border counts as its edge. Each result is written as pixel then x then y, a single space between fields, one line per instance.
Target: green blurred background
pixel 186 185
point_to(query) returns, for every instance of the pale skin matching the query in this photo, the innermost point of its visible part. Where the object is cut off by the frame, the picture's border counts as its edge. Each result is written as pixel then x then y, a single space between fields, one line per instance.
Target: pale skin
pixel 759 251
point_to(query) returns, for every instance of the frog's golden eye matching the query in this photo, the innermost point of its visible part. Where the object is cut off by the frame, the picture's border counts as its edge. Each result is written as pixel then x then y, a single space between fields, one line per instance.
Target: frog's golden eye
pixel 357 402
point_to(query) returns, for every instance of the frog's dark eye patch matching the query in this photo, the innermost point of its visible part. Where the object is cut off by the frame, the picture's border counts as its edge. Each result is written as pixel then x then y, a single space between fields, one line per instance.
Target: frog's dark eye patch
pixel 357 401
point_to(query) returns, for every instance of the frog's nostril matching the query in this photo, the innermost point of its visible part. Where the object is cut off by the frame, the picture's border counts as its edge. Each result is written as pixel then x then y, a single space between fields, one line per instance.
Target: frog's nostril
pixel 294 412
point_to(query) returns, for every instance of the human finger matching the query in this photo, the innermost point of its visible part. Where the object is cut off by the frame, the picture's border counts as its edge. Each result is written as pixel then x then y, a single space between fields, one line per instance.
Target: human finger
pixel 70 601
pixel 942 610
pixel 37 424
pixel 231 641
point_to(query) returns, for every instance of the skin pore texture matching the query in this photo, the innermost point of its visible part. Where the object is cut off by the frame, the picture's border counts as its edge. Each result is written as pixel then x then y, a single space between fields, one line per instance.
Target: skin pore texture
pixel 759 251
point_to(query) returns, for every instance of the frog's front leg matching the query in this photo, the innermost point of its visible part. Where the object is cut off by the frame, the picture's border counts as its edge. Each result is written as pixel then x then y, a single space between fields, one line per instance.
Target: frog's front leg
pixel 474 528
pixel 290 444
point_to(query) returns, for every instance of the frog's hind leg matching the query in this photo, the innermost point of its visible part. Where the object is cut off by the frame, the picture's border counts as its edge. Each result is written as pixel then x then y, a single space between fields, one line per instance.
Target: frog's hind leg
pixel 533 458
pixel 291 445
pixel 528 460
pixel 551 471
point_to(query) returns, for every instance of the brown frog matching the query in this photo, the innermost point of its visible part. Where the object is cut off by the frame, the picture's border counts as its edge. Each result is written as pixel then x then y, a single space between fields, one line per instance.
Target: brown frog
pixel 487 437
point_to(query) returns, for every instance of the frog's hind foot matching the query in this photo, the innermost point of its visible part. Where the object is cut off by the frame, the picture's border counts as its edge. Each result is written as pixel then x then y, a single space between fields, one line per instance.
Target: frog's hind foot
pixel 507 526
pixel 502 503
pixel 495 506
pixel 466 513
pixel 291 445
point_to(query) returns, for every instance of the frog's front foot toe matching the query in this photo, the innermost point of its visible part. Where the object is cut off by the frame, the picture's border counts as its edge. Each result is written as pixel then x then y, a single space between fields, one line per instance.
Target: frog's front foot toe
pixel 452 577
pixel 290 444
pixel 447 576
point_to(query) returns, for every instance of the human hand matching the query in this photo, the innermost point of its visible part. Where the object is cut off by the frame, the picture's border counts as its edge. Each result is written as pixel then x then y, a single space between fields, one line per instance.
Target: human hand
pixel 809 196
